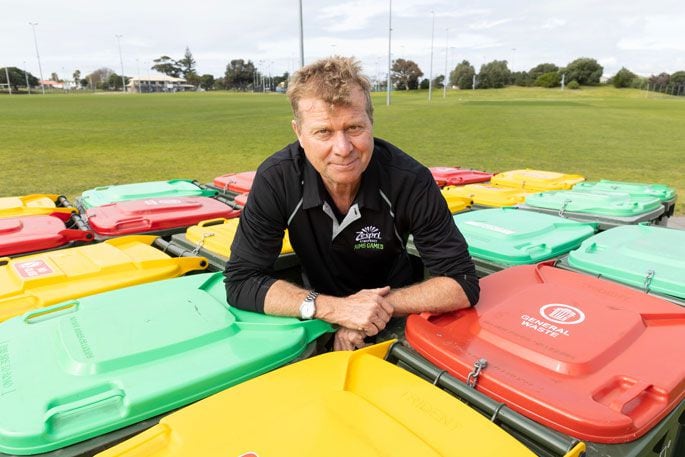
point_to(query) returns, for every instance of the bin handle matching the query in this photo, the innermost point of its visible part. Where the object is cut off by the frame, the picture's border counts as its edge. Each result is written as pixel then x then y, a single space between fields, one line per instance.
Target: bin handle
pixel 133 222
pixel 96 409
pixel 51 312
pixel 215 221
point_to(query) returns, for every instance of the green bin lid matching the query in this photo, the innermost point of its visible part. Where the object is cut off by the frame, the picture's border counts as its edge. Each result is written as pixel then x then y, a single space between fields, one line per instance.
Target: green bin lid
pixel 609 204
pixel 661 191
pixel 509 236
pixel 83 368
pixel 641 256
pixel 139 191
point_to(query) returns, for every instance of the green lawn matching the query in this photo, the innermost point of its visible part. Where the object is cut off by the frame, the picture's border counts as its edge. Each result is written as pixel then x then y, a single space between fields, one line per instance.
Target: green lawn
pixel 69 143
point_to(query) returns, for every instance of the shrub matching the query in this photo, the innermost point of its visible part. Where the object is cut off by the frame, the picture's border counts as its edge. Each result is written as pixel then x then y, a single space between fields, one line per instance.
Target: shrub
pixel 573 85
pixel 550 79
pixel 584 70
pixel 623 78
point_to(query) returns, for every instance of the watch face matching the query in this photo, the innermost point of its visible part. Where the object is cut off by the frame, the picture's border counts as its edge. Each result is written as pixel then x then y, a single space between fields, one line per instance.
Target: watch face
pixel 307 309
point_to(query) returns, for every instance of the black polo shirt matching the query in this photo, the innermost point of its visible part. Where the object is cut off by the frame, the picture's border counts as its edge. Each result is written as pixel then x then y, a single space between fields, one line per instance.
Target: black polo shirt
pixel 342 254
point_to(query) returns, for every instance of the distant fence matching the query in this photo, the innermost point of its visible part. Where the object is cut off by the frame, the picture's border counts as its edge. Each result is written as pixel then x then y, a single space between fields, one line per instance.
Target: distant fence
pixel 677 90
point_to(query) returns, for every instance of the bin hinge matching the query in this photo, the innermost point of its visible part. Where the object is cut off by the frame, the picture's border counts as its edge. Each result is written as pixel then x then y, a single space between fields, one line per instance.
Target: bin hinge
pixel 562 210
pixel 478 366
pixel 196 251
pixel 648 280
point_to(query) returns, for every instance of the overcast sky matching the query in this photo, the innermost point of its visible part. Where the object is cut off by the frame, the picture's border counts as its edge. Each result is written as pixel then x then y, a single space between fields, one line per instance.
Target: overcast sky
pixel 646 37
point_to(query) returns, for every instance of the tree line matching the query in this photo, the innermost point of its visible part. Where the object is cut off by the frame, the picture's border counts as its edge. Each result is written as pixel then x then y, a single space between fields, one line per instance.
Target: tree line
pixel 406 74
pixel 242 75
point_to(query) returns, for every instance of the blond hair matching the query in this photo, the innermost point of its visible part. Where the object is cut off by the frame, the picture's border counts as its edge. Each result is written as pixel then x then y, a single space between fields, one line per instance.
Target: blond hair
pixel 331 79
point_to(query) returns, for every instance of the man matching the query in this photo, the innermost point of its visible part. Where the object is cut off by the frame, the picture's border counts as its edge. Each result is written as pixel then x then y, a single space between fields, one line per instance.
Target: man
pixel 350 201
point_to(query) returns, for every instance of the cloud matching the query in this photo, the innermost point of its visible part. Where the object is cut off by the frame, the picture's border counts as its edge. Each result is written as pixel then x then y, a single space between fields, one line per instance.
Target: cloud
pixel 483 25
pixel 350 16
pixel 658 33
pixel 553 23
pixel 474 41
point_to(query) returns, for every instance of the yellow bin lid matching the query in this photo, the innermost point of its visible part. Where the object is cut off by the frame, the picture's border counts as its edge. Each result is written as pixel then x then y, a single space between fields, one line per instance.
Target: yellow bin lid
pixel 456 203
pixel 30 205
pixel 40 280
pixel 216 235
pixel 337 404
pixel 536 180
pixel 487 195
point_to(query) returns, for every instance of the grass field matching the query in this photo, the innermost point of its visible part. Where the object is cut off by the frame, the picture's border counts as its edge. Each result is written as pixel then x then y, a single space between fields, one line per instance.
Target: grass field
pixel 69 143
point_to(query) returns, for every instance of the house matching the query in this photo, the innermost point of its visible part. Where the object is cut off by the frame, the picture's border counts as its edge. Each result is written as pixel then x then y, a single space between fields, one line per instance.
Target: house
pixel 158 83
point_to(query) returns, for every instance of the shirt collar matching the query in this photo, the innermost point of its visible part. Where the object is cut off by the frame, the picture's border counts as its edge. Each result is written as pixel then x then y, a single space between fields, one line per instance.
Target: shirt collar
pixel 314 192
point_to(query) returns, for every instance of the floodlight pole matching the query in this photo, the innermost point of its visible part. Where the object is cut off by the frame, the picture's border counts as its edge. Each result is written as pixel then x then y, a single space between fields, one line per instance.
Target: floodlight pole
pixel 121 61
pixel 430 77
pixel 447 50
pixel 301 35
pixel 26 75
pixel 7 75
pixel 387 97
pixel 40 68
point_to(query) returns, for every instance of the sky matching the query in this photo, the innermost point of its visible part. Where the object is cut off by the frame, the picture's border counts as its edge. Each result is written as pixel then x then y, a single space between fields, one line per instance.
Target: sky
pixel 647 38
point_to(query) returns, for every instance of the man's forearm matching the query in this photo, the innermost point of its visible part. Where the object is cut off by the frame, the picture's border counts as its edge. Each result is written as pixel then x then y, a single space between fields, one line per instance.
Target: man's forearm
pixel 284 299
pixel 366 311
pixel 436 295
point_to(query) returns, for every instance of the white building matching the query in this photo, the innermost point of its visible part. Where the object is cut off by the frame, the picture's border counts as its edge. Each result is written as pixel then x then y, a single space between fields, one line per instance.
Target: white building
pixel 159 83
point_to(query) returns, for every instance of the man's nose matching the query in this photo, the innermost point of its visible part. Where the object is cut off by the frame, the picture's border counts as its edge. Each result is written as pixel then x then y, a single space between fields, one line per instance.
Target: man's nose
pixel 342 145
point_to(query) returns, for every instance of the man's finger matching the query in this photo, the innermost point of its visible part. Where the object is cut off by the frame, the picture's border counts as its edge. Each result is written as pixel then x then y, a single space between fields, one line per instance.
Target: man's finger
pixel 382 290
pixel 387 307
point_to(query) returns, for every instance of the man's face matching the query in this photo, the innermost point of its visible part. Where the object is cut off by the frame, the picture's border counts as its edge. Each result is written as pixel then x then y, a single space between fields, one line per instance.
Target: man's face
pixel 337 140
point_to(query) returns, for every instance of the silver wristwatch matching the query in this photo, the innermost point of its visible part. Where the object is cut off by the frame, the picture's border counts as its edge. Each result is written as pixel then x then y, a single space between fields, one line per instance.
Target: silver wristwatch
pixel 308 306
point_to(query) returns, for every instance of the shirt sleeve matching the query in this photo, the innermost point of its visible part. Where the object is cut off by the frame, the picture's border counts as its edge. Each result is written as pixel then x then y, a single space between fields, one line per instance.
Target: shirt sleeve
pixel 441 245
pixel 256 246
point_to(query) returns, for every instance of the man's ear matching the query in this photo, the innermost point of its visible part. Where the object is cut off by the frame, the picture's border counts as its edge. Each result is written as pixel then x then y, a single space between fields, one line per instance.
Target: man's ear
pixel 296 128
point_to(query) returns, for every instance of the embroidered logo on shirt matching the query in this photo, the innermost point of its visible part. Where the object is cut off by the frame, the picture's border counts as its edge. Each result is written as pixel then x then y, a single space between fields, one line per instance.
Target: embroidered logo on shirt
pixel 368 237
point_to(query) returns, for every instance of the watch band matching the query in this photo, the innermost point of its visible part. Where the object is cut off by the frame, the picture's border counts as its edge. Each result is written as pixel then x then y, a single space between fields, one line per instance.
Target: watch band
pixel 308 306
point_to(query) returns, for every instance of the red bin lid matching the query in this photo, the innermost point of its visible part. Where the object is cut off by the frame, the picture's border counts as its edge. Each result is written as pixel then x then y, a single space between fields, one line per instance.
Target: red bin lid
pixel 239 183
pixel 155 214
pixel 24 234
pixel 587 357
pixel 455 176
pixel 241 199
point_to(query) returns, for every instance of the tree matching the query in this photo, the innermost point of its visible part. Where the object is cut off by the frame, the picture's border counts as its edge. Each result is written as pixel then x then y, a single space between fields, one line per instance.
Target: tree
pixel 17 78
pixel 55 77
pixel 494 74
pixel 586 71
pixel 405 74
pixel 662 79
pixel 678 78
pixel 77 77
pixel 521 78
pixel 239 75
pixel 168 66
pixel 424 84
pixel 114 82
pixel 100 78
pixel 193 78
pixel 439 82
pixel 541 69
pixel 623 78
pixel 549 80
pixel 207 81
pixel 219 83
pixel 187 64
pixel 281 80
pixel 462 75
